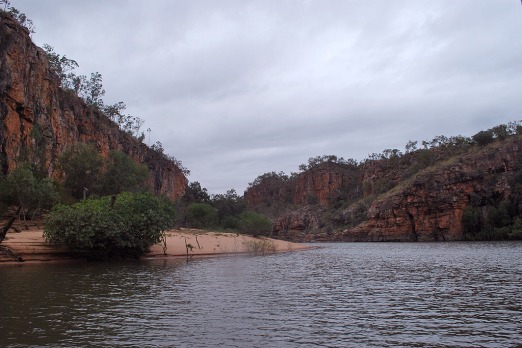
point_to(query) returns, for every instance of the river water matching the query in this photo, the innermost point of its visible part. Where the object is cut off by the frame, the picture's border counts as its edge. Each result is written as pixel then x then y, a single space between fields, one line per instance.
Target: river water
pixel 339 295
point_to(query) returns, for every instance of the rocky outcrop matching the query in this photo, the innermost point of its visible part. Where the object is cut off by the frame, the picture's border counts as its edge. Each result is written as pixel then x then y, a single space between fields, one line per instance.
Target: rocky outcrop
pixel 430 206
pixel 298 224
pixel 271 189
pixel 395 200
pixel 39 120
pixel 319 185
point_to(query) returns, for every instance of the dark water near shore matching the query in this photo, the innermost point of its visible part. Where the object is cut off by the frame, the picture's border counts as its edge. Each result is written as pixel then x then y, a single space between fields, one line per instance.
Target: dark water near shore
pixel 341 295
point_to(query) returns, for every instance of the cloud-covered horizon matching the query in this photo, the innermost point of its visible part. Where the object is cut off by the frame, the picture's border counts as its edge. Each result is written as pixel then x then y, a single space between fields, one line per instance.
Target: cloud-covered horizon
pixel 235 88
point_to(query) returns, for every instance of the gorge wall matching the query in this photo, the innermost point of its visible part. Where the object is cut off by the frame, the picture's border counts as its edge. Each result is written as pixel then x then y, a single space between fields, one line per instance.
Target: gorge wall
pixel 39 120
pixel 319 185
pixel 430 206
pixel 389 203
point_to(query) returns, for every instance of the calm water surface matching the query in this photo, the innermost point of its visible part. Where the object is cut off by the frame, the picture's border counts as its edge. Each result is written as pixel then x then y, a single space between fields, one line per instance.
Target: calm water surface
pixel 341 295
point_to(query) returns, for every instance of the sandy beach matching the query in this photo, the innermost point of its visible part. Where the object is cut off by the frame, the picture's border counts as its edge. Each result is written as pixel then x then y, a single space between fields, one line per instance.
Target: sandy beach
pixel 30 245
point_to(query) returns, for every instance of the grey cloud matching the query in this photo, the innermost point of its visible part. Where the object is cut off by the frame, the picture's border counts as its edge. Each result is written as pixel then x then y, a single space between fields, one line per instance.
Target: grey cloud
pixel 238 88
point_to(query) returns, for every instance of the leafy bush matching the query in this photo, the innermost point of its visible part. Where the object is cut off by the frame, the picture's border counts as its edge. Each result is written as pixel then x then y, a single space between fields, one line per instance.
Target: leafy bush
pixel 123 174
pixel 483 138
pixel 230 222
pixel 492 223
pixel 85 168
pixel 202 215
pixel 133 224
pixel 229 204
pixel 82 166
pixel 23 189
pixel 255 224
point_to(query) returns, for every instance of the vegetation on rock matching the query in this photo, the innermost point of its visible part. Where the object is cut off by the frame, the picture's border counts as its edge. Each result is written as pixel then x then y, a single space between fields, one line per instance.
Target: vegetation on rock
pixel 469 187
pixel 17 15
pixel 87 172
pixel 347 193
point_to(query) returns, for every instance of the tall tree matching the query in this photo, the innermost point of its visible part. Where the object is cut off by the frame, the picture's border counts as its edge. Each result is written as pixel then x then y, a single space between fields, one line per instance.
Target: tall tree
pixel 92 90
pixel 61 66
pixel 22 189
pixel 229 204
pixel 82 165
pixel 123 174
pixel 196 194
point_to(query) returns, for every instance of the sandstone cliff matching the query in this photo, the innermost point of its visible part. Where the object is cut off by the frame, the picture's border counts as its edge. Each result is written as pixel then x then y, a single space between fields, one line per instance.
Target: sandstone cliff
pixel 39 120
pixel 398 199
pixel 321 185
pixel 430 206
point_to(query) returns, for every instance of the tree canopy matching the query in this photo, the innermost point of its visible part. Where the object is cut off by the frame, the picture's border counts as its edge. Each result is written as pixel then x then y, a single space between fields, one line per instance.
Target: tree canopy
pixel 132 225
pixel 23 189
pixel 82 165
pixel 87 171
pixel 123 174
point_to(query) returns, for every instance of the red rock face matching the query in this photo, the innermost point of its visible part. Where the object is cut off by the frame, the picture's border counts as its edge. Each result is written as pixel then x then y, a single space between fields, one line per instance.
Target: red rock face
pixel 298 224
pixel 269 191
pixel 31 102
pixel 318 186
pixel 430 207
pixel 427 206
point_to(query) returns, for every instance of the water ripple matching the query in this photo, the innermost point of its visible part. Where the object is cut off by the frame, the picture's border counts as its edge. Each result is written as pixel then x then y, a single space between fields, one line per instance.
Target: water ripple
pixel 363 295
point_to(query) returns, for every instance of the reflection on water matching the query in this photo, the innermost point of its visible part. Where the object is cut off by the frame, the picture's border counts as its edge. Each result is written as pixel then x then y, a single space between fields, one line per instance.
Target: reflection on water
pixel 364 295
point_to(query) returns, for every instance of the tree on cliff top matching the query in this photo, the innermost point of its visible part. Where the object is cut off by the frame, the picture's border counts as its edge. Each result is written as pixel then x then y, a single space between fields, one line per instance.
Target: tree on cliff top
pixel 314 162
pixel 92 90
pixel 18 16
pixel 158 148
pixel 270 177
pixel 61 66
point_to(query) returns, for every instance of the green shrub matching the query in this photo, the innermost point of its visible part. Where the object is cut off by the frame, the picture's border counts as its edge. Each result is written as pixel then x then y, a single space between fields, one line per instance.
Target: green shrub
pixel 255 224
pixel 483 138
pixel 82 166
pixel 131 226
pixel 230 222
pixel 202 215
pixel 23 189
pixel 123 174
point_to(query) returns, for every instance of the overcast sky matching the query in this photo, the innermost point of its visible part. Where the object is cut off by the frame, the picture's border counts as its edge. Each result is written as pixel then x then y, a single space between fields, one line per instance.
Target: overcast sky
pixel 237 88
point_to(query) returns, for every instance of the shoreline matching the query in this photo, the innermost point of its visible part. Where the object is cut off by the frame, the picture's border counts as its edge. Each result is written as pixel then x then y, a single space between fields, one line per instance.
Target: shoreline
pixel 31 246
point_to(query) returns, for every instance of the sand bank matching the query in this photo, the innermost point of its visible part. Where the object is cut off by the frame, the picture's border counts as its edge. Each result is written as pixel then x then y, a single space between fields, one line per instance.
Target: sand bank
pixel 31 246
